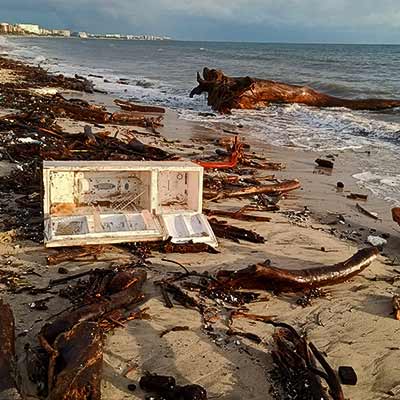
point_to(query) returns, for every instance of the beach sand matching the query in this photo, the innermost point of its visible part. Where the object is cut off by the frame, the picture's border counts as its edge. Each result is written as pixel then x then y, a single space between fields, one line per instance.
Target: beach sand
pixel 352 325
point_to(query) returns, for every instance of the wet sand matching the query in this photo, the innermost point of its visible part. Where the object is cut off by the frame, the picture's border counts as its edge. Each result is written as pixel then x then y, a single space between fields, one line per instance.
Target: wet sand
pixel 352 325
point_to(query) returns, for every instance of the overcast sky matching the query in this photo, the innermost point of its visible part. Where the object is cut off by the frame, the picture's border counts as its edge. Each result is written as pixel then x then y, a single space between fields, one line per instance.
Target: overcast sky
pixel 335 21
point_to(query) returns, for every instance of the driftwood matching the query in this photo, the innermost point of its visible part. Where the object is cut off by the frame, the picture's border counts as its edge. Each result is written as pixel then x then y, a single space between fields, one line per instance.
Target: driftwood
pixel 128 106
pixel 266 277
pixel 131 118
pixel 70 254
pixel 240 214
pixel 274 189
pixel 8 390
pixel 75 367
pixel 366 212
pixel 227 231
pixel 226 93
pixel 396 214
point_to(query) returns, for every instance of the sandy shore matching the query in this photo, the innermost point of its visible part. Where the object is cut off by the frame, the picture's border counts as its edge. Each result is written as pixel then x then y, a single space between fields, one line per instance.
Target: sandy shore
pixel 352 325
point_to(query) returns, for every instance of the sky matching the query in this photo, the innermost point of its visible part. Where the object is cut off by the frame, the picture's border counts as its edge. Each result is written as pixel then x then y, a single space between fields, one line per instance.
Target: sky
pixel 309 21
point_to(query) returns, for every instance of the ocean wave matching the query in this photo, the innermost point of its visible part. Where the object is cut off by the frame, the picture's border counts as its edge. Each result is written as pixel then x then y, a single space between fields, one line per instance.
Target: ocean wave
pixel 382 185
pixel 310 127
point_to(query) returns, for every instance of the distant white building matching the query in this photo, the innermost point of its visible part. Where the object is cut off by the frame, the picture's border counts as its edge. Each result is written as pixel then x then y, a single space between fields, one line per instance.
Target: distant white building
pixel 31 28
pixel 5 27
pixel 46 32
pixel 82 35
pixel 112 36
pixel 61 32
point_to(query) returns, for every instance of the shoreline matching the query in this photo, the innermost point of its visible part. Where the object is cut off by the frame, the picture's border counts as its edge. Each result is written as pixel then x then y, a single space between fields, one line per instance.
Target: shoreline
pixel 353 325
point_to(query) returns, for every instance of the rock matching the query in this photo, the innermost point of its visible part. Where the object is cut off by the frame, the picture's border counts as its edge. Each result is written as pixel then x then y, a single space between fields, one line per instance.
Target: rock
pixel 324 163
pixel 347 375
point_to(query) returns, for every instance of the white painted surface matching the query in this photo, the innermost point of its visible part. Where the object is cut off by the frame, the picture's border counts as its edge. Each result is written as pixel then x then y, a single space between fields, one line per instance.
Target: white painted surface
pixel 93 202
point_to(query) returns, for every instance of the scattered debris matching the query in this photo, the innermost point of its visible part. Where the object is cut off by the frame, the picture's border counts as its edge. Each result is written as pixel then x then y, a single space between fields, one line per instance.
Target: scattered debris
pixel 295 360
pixel 235 155
pixel 309 296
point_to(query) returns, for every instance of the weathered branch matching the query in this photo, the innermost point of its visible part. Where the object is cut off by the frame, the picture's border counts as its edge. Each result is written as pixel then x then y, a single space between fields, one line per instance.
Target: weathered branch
pixel 266 277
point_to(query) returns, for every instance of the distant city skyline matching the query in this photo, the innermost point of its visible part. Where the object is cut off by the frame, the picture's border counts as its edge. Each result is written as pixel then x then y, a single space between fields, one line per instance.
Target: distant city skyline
pixel 38 30
pixel 295 21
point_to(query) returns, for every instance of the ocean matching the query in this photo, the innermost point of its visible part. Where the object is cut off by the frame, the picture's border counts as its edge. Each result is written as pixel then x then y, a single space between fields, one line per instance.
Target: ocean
pixel 165 72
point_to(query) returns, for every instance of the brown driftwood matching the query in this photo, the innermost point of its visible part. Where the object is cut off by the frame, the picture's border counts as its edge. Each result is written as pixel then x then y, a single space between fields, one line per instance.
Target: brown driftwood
pixel 8 390
pixel 274 189
pixel 396 214
pixel 366 212
pixel 128 106
pixel 266 277
pixel 79 110
pixel 74 253
pixel 227 231
pixel 75 366
pixel 240 214
pixel 226 93
pixel 131 118
pixel 396 307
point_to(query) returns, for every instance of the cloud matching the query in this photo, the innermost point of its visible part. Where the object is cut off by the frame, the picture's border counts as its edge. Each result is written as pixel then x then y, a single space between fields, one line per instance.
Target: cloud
pixel 291 19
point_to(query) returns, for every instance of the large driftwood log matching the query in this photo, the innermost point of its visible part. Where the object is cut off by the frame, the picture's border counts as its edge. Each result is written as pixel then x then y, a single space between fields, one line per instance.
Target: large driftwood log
pixel 226 93
pixel 8 389
pixel 266 277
